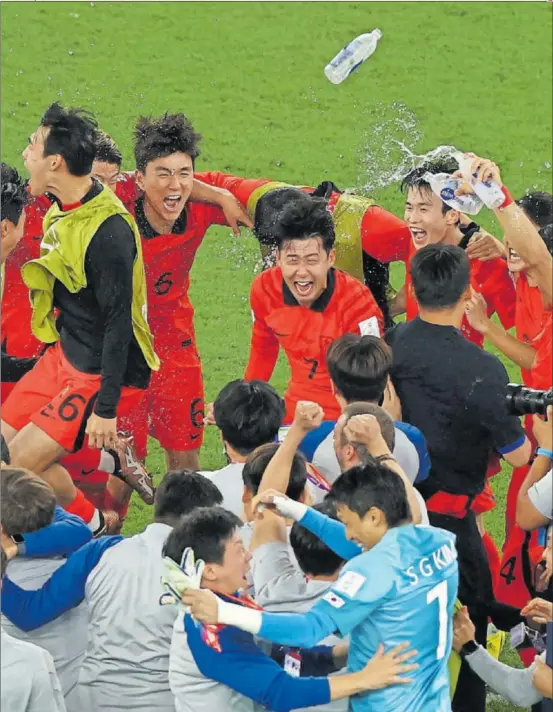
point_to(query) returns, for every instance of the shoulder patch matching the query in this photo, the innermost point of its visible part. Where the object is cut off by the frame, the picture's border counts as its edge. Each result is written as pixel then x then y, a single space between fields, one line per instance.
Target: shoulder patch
pixel 334 600
pixel 350 583
pixel 369 327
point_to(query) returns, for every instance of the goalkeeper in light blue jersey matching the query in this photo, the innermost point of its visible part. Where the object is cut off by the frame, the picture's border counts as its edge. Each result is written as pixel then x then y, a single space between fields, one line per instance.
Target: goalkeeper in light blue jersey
pixel 400 589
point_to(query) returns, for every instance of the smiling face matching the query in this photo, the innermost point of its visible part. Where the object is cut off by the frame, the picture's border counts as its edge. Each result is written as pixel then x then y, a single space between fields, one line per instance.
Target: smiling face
pixel 38 166
pixel 305 265
pixel 426 220
pixel 167 184
pixel 366 531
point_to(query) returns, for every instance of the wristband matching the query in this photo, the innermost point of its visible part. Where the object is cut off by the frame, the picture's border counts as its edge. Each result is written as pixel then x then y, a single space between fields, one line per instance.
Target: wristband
pixel 545 452
pixel 247 619
pixel 468 648
pixel 508 199
pixel 289 508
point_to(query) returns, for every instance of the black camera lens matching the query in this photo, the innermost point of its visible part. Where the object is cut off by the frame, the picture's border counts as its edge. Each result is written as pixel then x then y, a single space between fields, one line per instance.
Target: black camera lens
pixel 527 401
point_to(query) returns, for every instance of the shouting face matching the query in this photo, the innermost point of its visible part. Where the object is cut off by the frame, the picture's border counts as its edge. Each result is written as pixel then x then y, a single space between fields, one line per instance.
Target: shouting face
pixel 305 265
pixel 167 184
pixel 38 166
pixel 426 219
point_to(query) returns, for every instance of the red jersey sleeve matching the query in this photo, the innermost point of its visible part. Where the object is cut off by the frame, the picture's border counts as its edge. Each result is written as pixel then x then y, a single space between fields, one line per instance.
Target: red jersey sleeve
pixel 264 344
pixel 541 375
pixel 362 315
pixel 385 236
pixel 498 289
pixel 241 188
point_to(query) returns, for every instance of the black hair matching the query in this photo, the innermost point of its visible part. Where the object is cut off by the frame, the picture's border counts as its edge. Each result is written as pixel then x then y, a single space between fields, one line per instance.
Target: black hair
pixel 547 236
pixel 303 218
pixel 248 414
pixel 440 275
pixel 538 206
pixel 107 150
pixel 268 210
pixel 182 492
pixel 373 485
pixel 313 556
pixel 168 134
pixel 72 134
pixel 14 197
pixel 257 462
pixel 205 531
pixel 415 178
pixel 359 367
pixel 4 451
pixel 28 503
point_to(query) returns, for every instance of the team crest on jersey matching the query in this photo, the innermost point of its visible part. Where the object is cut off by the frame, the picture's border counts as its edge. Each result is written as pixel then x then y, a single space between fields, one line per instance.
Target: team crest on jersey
pixel 350 583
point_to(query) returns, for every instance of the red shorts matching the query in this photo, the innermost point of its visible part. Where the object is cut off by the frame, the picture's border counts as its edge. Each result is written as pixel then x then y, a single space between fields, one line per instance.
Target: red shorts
pixel 59 399
pixel 172 411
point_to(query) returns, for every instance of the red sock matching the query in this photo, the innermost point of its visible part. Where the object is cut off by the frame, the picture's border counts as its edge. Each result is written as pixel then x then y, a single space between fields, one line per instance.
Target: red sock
pixel 493 557
pixel 81 507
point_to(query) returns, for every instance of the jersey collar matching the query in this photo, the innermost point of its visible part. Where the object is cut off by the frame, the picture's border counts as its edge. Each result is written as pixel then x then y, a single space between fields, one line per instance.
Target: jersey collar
pixel 147 231
pixel 321 303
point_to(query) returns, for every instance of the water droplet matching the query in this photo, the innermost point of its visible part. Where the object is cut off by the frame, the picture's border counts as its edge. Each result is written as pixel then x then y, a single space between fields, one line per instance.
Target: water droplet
pixel 70 51
pixel 547 164
pixel 74 15
pixel 521 163
pixel 60 93
pixel 49 78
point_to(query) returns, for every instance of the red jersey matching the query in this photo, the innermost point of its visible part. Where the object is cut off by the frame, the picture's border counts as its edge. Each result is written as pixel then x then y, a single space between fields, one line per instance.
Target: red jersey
pixel 383 235
pixel 346 306
pixel 492 280
pixel 17 337
pixel 541 374
pixel 168 260
pixel 533 322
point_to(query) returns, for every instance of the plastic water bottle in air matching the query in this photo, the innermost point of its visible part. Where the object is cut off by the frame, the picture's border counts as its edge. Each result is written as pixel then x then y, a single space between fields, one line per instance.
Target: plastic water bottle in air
pixel 444 186
pixel 489 192
pixel 353 54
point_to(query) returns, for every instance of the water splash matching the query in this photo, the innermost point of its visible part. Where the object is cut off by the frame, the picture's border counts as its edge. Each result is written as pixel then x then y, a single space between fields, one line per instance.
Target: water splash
pixel 388 151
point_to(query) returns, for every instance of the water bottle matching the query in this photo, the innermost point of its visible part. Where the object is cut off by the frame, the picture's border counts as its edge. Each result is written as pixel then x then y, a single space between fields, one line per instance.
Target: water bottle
pixel 353 54
pixel 489 192
pixel 444 186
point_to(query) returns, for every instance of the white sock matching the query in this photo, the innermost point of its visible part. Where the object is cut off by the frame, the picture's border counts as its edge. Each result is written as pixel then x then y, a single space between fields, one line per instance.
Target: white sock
pixel 107 462
pixel 94 523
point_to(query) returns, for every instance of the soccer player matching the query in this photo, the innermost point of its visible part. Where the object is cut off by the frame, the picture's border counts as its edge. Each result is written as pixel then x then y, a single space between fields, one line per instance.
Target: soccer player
pixel 221 668
pixel 102 356
pixel 401 588
pixel 368 237
pixel 431 221
pixel 304 304
pixel 172 230
pixel 14 199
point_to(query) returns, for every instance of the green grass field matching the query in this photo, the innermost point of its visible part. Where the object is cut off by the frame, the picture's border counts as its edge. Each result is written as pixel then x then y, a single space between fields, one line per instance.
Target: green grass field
pixel 250 76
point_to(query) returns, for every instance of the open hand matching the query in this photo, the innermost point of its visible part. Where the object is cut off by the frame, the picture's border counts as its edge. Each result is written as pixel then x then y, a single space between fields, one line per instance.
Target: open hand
pixel 539 610
pixel 387 668
pixel 235 213
pixel 483 246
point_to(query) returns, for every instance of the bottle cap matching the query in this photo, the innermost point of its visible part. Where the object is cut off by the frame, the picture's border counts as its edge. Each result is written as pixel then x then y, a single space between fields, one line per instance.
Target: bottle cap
pixel 378 33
